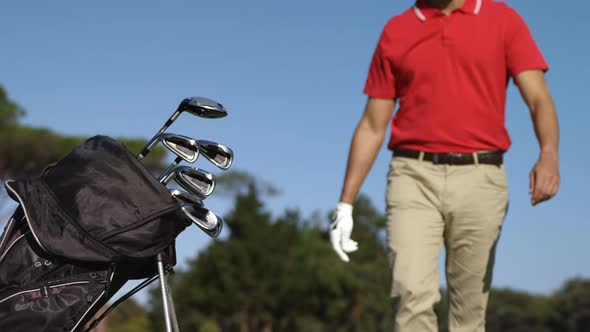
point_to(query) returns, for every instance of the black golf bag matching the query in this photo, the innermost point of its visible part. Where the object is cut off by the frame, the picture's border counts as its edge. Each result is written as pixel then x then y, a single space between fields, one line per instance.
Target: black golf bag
pixel 88 224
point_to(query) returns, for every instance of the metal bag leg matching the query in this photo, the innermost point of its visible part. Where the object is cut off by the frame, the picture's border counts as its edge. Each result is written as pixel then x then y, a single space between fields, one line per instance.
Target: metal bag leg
pixel 167 301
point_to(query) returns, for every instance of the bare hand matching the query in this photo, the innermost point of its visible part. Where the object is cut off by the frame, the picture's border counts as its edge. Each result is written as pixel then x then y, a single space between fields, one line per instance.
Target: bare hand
pixel 544 178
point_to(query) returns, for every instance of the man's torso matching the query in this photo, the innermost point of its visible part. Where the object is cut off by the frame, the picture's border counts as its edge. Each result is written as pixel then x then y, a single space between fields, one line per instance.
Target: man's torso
pixel 450 77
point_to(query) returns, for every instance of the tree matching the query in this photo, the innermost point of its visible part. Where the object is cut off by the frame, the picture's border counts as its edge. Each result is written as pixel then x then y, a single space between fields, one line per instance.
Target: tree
pixel 571 307
pixel 516 311
pixel 10 112
pixel 26 151
pixel 129 316
pixel 280 274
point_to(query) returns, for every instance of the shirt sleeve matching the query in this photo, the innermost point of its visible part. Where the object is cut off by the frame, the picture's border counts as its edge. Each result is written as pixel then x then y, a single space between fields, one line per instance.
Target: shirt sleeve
pixel 381 79
pixel 522 52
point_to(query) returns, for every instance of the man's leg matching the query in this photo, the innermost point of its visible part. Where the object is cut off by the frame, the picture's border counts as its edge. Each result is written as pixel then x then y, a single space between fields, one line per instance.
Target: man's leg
pixel 476 200
pixel 415 235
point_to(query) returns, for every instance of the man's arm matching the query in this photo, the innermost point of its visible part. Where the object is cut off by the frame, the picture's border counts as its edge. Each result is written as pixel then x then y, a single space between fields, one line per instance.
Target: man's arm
pixel 366 142
pixel 544 177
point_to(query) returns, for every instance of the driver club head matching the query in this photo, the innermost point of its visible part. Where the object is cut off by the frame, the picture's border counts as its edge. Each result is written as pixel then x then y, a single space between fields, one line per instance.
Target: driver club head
pixel 196 181
pixel 184 197
pixel 203 107
pixel 182 146
pixel 206 220
pixel 218 154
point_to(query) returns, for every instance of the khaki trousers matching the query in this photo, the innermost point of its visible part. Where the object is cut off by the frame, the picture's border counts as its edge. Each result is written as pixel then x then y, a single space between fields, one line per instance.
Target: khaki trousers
pixel 459 206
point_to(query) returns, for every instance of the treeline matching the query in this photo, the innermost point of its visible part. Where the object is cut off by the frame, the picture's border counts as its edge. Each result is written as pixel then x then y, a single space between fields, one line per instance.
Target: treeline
pixel 26 150
pixel 280 274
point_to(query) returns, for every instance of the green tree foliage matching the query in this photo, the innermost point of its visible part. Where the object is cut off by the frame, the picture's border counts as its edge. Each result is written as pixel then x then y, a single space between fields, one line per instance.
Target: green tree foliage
pixel 236 181
pixel 26 151
pixel 10 112
pixel 515 311
pixel 571 307
pixel 275 274
pixel 281 275
pixel 129 317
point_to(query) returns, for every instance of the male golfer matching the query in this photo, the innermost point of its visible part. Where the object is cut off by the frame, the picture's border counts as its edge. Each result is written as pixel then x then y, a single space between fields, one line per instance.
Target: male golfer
pixel 448 63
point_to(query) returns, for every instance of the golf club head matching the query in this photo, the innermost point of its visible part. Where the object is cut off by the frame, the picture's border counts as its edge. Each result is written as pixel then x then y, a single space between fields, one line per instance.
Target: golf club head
pixel 203 107
pixel 183 146
pixel 184 197
pixel 206 220
pixel 218 154
pixel 196 181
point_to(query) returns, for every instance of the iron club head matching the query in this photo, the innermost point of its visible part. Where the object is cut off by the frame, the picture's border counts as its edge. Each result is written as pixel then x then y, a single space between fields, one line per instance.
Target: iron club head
pixel 206 220
pixel 196 181
pixel 218 154
pixel 185 197
pixel 183 146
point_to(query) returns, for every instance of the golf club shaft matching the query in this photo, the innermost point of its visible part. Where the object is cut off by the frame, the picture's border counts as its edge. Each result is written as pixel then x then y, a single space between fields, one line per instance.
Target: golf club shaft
pixel 148 147
pixel 166 179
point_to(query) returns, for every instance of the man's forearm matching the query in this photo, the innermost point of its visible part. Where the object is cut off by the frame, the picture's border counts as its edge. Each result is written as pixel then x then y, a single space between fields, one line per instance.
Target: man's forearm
pixel 364 148
pixel 546 126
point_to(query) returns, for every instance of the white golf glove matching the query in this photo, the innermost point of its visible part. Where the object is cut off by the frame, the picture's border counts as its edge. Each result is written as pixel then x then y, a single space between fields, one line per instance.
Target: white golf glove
pixel 340 231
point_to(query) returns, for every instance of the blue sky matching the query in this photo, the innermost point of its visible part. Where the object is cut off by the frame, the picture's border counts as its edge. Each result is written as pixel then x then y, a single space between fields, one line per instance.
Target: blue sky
pixel 291 75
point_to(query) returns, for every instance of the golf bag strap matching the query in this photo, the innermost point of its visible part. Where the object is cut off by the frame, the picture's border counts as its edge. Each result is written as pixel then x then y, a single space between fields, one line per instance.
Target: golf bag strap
pixel 132 292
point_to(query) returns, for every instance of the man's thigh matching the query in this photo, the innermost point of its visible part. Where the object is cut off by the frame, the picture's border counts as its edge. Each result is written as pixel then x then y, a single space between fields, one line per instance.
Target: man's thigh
pixel 415 225
pixel 476 202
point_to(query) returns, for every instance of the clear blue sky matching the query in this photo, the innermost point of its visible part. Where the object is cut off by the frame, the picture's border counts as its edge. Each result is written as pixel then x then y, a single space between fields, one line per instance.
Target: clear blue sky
pixel 291 74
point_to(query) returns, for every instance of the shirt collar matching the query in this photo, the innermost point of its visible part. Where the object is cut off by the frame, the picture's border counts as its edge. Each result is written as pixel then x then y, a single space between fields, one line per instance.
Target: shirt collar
pixel 424 11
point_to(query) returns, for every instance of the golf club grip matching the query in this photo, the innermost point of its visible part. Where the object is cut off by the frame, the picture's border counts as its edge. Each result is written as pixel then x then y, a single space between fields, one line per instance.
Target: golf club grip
pixel 147 147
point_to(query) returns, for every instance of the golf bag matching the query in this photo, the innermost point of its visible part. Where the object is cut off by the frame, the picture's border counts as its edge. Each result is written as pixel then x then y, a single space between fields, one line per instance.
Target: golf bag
pixel 83 228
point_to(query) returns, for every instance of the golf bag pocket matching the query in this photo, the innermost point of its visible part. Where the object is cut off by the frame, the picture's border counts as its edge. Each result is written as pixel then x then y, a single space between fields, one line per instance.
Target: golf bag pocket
pixel 39 292
pixel 61 303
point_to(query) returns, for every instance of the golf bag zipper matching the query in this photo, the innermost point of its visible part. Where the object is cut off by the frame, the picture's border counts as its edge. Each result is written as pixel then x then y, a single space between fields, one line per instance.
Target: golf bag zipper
pixel 7 231
pixel 26 216
pixel 41 288
pixel 12 245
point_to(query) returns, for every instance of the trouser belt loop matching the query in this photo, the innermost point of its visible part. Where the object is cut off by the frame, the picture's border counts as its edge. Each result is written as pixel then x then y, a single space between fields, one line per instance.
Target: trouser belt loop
pixel 476 158
pixel 421 156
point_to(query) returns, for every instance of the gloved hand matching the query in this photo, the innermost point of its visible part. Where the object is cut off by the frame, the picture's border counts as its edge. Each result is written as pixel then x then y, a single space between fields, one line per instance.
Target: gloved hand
pixel 340 231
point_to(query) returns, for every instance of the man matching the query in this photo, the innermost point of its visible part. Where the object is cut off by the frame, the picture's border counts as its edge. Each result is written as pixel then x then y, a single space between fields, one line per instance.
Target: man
pixel 448 63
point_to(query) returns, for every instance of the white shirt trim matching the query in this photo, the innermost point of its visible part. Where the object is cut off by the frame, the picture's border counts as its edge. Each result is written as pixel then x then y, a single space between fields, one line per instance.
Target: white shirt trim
pixel 478 7
pixel 419 13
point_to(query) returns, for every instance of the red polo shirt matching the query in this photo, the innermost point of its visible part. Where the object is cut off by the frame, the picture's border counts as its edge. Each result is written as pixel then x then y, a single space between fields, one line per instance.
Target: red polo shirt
pixel 450 74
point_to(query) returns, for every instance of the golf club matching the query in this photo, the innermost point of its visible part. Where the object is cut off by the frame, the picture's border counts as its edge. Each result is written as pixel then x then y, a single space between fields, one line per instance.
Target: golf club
pixel 206 220
pixel 198 106
pixel 185 197
pixel 196 181
pixel 218 154
pixel 184 147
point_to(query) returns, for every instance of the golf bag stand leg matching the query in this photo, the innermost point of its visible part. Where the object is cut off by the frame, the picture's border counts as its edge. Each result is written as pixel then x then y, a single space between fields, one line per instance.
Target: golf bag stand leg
pixel 167 301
